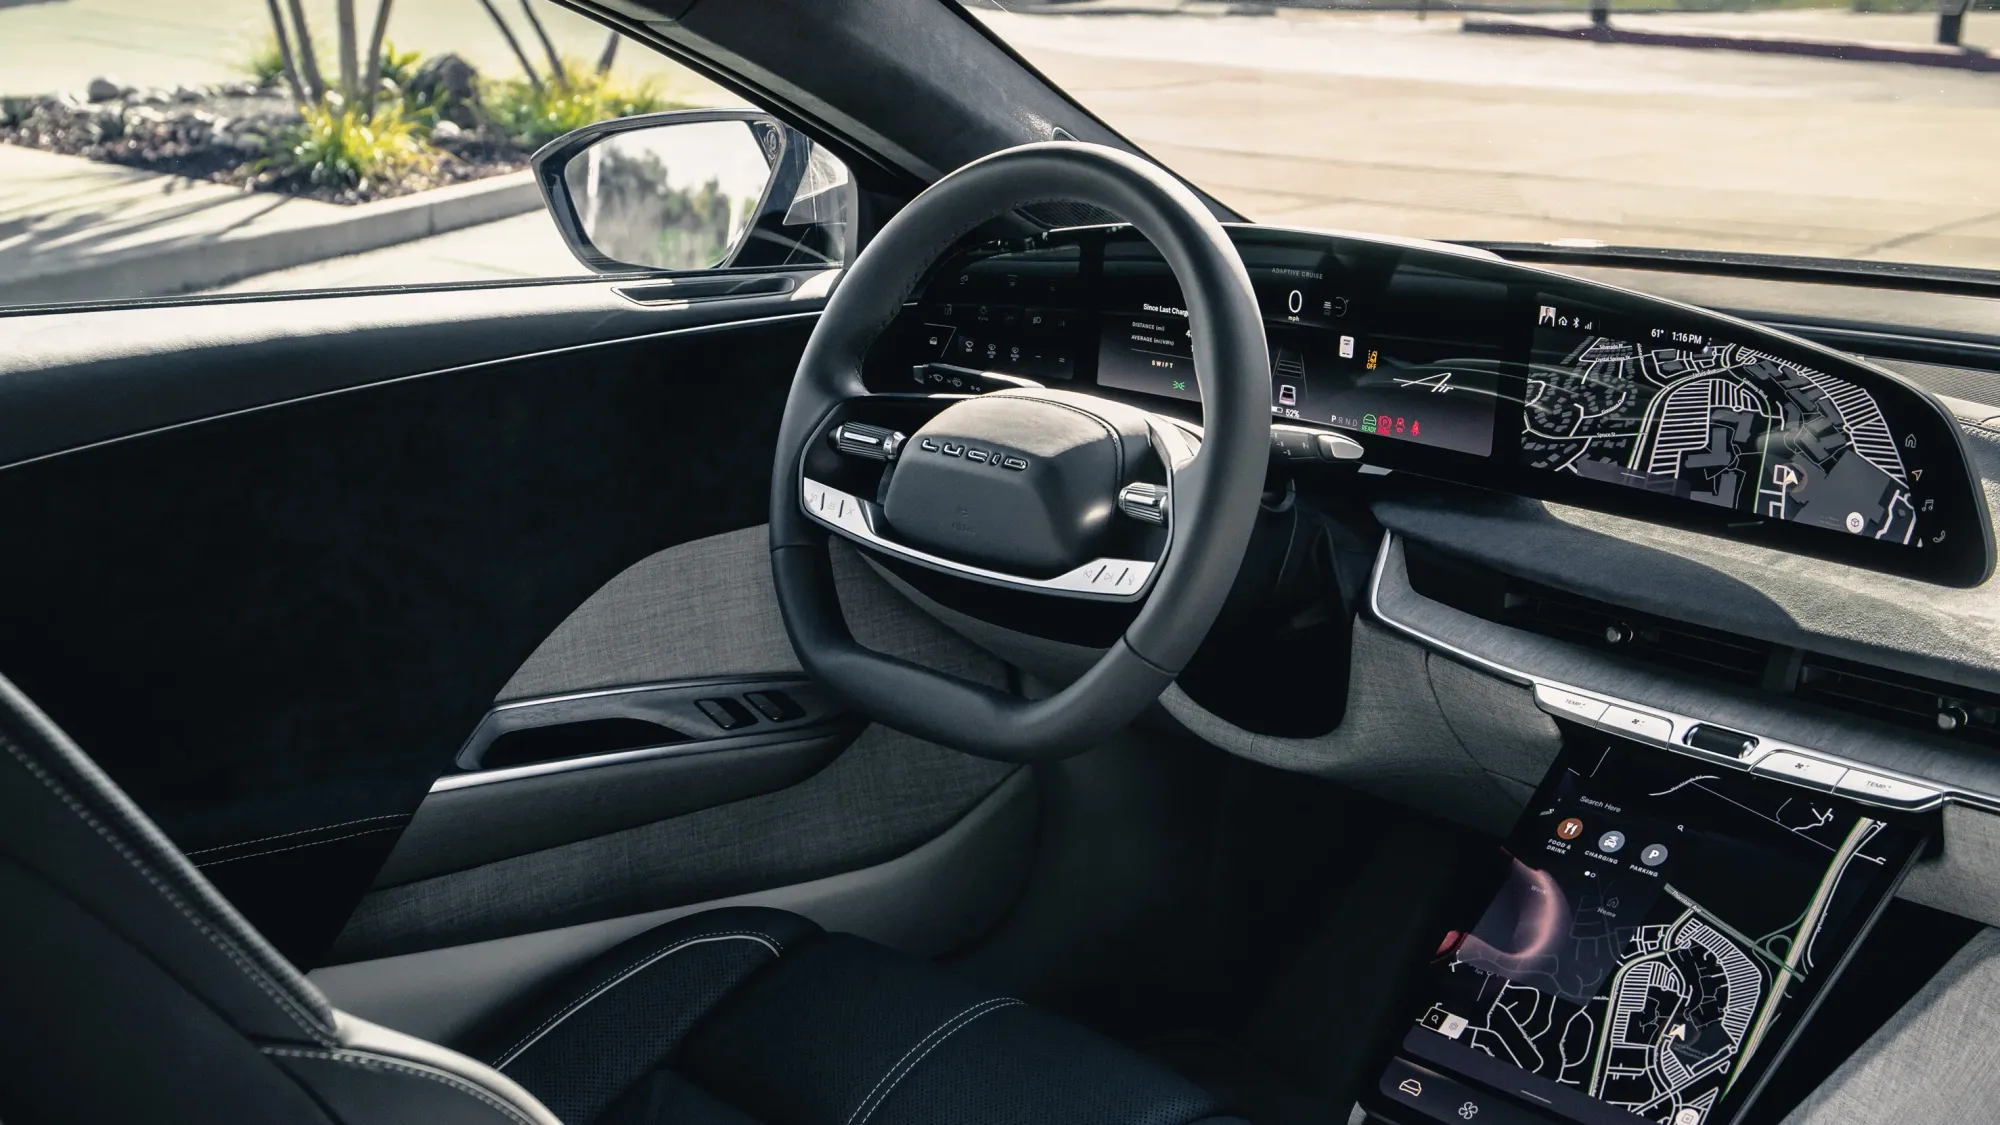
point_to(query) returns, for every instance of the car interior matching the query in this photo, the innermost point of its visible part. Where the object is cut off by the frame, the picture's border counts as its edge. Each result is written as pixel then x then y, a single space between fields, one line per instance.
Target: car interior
pixel 1019 643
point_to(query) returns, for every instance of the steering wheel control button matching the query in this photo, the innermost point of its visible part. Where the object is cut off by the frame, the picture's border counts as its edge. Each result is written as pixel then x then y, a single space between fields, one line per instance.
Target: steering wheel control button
pixel 1886 790
pixel 1570 704
pixel 873 443
pixel 1797 767
pixel 1144 502
pixel 726 713
pixel 1656 727
pixel 1114 575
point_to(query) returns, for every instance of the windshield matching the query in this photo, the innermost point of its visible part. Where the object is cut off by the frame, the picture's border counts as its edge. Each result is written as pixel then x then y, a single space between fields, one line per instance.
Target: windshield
pixel 1742 131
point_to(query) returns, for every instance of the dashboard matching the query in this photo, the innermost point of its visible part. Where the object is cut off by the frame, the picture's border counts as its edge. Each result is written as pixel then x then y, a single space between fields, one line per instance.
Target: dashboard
pixel 1459 366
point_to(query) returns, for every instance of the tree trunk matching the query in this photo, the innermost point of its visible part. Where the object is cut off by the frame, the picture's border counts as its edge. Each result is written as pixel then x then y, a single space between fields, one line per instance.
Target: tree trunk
pixel 513 44
pixel 1951 21
pixel 610 53
pixel 548 48
pixel 308 58
pixel 350 66
pixel 371 74
pixel 285 52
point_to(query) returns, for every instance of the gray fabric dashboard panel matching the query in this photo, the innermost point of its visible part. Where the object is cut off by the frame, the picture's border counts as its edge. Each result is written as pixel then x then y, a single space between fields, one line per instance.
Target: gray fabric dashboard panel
pixel 1531 654
pixel 1839 610
pixel 1937 1060
pixel 1964 880
pixel 700 609
pixel 1419 730
pixel 1926 630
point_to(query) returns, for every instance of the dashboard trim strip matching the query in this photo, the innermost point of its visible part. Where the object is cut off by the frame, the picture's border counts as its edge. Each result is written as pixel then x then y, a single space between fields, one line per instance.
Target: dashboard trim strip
pixel 1639 721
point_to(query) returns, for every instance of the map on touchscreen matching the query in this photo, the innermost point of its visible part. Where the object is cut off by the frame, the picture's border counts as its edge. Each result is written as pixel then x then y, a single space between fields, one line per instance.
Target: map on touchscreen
pixel 1661 930
pixel 1690 415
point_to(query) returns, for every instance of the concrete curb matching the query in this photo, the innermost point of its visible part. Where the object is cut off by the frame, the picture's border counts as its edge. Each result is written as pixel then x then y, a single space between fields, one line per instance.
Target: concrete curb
pixel 1957 58
pixel 278 241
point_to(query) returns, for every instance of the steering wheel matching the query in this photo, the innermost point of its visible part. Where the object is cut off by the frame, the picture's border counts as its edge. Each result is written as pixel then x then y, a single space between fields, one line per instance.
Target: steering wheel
pixel 1069 455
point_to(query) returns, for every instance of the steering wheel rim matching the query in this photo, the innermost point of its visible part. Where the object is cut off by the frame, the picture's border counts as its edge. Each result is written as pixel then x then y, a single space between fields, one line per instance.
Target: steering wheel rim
pixel 1215 495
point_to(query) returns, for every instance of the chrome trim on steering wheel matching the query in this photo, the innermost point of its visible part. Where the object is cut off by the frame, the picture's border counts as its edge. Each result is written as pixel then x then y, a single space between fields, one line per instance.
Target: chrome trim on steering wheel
pixel 1117 580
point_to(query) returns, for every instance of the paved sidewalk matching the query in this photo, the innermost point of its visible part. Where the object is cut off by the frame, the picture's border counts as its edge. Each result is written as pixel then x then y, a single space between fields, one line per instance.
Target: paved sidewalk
pixel 526 246
pixel 73 229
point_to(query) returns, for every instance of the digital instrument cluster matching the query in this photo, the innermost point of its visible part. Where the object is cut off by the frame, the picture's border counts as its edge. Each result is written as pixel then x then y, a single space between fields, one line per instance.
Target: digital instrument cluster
pixel 1458 365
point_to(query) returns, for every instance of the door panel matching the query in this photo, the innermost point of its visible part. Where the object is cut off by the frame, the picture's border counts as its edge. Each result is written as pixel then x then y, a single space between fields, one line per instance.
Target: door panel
pixel 705 607
pixel 72 379
pixel 275 627
pixel 940 897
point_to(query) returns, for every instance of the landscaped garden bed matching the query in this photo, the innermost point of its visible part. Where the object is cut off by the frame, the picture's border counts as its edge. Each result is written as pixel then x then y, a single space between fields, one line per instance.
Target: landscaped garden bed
pixel 431 123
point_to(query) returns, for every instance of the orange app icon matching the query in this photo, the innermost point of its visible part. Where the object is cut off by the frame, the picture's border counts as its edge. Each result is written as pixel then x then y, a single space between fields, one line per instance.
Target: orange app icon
pixel 1569 829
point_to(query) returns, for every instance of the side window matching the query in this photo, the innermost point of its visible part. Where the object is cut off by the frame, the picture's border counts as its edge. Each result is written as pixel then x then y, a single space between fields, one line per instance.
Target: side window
pixel 324 144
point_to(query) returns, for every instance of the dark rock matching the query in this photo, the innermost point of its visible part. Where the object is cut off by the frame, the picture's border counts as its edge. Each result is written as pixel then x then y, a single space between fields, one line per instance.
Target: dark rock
pixel 103 89
pixel 444 80
pixel 448 83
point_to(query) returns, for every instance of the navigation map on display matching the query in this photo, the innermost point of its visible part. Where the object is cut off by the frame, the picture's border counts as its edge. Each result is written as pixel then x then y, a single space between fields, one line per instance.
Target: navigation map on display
pixel 1683 413
pixel 1639 957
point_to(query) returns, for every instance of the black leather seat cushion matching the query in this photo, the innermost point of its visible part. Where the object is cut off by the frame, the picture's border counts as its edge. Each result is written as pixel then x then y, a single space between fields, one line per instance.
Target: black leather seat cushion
pixel 746 1016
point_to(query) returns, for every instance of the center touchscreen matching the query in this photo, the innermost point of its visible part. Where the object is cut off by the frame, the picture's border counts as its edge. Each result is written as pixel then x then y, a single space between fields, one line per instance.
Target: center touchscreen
pixel 1662 931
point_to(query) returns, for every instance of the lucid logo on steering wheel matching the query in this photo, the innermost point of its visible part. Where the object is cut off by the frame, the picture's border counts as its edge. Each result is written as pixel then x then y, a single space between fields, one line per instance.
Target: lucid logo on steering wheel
pixel 975 455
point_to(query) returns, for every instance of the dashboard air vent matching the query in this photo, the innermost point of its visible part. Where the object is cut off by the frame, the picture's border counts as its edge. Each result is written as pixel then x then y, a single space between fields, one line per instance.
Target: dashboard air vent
pixel 1888 696
pixel 1893 697
pixel 1704 652
pixel 1711 653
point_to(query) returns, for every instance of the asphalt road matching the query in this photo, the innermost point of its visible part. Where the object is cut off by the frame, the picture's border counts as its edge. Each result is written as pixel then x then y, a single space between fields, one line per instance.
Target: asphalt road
pixel 1387 123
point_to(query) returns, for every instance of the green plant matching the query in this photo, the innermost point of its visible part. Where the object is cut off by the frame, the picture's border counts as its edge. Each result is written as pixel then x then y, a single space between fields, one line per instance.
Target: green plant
pixel 399 66
pixel 266 64
pixel 533 114
pixel 346 150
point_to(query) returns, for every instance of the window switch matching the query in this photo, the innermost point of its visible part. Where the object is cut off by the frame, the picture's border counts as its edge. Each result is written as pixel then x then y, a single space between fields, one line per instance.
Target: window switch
pixel 776 706
pixel 726 713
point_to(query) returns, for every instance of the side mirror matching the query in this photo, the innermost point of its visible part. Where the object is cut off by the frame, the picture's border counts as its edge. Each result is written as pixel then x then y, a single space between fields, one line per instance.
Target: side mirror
pixel 696 189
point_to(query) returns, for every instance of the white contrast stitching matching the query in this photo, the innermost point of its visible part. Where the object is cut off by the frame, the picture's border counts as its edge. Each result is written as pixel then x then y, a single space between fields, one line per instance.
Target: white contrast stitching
pixel 374 1062
pixel 514 1052
pixel 911 1069
pixel 946 1028
pixel 296 847
pixel 300 832
pixel 306 1020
